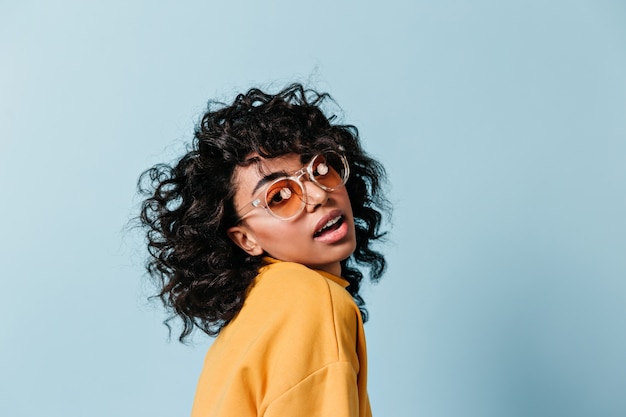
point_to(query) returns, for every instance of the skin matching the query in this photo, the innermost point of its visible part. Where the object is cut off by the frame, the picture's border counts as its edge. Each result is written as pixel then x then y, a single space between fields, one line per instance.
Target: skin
pixel 294 240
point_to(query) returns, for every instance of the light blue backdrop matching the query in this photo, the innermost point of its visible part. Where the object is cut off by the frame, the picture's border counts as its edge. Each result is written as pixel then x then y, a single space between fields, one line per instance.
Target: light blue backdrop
pixel 503 128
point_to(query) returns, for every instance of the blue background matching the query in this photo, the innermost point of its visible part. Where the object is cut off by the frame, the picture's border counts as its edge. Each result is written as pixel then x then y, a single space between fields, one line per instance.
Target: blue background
pixel 503 128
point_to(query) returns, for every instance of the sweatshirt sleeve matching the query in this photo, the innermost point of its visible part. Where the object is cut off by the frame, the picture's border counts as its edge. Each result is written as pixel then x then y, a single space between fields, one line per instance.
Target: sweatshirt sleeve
pixel 331 391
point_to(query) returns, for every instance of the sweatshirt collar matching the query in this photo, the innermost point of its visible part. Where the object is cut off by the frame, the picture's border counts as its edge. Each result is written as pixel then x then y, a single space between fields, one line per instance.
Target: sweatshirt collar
pixel 267 260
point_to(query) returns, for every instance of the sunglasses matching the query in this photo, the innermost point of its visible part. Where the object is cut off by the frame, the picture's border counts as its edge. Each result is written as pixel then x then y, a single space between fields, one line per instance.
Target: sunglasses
pixel 285 197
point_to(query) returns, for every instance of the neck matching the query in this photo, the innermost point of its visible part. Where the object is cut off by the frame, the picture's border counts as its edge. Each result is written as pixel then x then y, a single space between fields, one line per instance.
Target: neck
pixel 334 268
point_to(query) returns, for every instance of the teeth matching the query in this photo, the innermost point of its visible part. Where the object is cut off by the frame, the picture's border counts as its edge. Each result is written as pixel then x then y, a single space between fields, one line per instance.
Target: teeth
pixel 330 223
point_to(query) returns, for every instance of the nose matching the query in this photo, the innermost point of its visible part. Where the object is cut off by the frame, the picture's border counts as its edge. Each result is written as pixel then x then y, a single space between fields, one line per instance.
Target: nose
pixel 315 195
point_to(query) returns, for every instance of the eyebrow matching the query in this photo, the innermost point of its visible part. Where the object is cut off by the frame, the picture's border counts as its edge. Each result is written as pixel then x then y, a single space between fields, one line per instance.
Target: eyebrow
pixel 268 178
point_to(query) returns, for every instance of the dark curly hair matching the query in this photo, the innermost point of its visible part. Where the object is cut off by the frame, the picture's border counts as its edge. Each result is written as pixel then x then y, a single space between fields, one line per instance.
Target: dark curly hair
pixel 202 275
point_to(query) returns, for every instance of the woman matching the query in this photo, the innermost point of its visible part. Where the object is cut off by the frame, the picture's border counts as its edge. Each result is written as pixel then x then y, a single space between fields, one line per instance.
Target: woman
pixel 255 236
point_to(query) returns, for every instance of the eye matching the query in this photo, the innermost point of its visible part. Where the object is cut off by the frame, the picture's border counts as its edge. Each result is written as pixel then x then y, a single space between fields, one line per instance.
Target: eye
pixel 278 195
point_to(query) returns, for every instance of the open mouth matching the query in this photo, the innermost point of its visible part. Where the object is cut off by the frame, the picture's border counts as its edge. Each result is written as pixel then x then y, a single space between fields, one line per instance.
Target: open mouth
pixel 331 225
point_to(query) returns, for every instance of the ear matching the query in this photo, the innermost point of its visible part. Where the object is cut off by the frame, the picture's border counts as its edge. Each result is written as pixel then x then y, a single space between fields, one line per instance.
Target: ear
pixel 244 238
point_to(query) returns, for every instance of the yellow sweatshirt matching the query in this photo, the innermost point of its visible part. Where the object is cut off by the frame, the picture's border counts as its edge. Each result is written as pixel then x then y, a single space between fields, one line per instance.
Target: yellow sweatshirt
pixel 295 349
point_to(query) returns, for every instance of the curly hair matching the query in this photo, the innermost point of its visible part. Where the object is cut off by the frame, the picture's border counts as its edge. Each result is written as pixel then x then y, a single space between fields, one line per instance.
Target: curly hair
pixel 202 276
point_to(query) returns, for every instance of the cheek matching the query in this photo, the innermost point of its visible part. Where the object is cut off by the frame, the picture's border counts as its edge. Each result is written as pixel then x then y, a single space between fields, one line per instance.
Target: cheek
pixel 273 231
pixel 344 199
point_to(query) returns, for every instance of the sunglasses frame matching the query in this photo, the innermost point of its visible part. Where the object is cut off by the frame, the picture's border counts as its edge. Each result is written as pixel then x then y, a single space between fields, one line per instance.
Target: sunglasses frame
pixel 307 170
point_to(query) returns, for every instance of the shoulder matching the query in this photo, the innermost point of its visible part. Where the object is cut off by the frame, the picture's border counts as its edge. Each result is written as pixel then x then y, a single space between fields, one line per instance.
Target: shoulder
pixel 304 310
pixel 287 288
pixel 293 279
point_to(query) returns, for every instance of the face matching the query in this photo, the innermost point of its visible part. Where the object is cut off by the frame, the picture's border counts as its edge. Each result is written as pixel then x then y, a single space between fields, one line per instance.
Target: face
pixel 319 237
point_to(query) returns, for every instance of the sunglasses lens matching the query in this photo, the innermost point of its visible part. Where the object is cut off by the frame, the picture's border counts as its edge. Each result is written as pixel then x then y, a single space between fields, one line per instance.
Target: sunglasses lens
pixel 284 198
pixel 329 170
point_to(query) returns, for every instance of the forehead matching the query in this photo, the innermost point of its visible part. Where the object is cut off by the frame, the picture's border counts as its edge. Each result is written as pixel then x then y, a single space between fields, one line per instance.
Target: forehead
pixel 265 166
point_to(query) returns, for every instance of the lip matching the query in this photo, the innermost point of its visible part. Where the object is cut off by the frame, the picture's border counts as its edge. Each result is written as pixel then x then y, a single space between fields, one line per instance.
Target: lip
pixel 326 218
